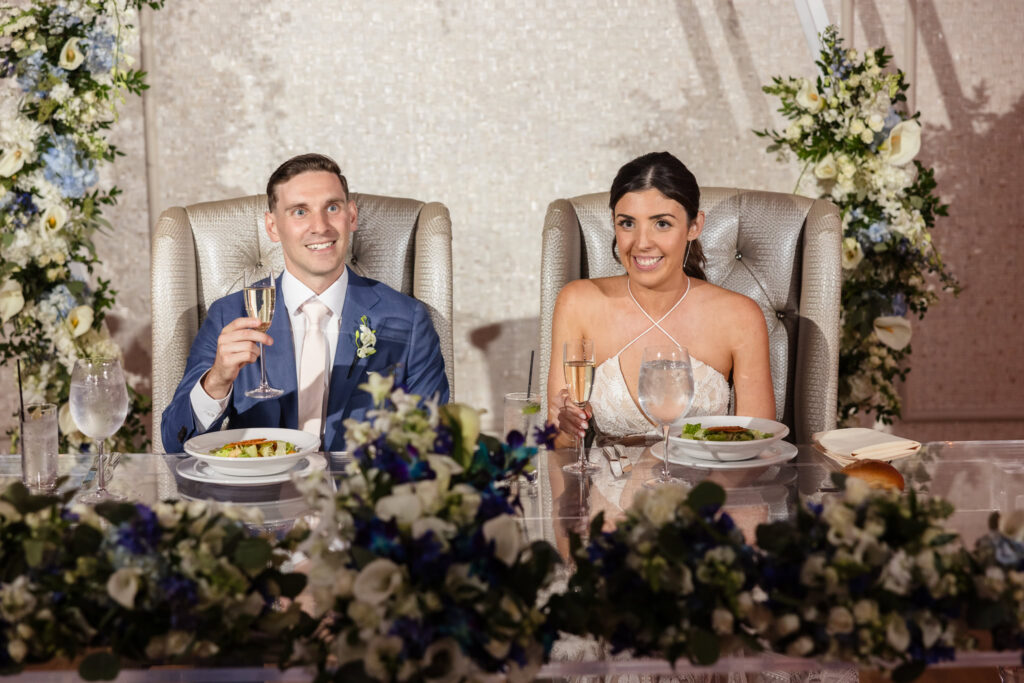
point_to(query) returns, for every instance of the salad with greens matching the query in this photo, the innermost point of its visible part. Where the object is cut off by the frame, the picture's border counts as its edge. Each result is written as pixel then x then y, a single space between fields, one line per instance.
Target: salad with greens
pixel 695 432
pixel 254 448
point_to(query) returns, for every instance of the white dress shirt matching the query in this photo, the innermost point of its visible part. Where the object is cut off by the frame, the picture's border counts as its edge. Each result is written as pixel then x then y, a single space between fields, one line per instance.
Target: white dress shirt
pixel 207 409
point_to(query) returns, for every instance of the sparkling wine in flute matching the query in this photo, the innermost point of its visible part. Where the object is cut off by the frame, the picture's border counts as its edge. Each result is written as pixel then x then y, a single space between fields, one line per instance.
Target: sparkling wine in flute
pixel 579 375
pixel 259 303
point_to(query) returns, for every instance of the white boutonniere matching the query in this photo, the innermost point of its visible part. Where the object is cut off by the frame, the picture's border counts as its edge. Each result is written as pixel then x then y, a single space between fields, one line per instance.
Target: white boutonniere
pixel 366 339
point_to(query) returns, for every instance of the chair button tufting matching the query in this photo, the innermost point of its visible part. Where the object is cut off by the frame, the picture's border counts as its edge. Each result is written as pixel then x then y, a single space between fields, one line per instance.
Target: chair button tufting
pixel 780 314
pixel 739 256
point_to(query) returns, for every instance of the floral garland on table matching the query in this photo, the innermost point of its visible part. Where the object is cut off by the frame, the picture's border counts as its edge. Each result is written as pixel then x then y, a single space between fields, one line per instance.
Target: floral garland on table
pixel 62 72
pixel 175 582
pixel 681 564
pixel 851 131
pixel 419 568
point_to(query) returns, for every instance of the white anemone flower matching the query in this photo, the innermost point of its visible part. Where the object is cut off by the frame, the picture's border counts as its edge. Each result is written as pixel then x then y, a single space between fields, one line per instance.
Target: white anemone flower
pixel 893 331
pixel 903 143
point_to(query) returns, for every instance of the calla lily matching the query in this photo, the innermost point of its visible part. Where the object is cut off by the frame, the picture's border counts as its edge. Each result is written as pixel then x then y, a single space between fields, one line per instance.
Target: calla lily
pixel 808 98
pixel 70 56
pixel 467 421
pixel 12 300
pixel 377 581
pixel 903 143
pixel 893 331
pixel 11 161
pixel 504 531
pixel 123 585
pixel 54 217
pixel 80 319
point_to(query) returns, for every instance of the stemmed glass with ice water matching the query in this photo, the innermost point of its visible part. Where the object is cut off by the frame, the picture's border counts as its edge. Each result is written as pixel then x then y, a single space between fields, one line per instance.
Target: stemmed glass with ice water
pixel 99 405
pixel 665 391
pixel 578 365
pixel 260 294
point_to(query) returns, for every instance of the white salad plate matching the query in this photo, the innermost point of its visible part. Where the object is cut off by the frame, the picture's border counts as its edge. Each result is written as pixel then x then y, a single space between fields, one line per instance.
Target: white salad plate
pixel 198 470
pixel 727 451
pixel 777 453
pixel 201 447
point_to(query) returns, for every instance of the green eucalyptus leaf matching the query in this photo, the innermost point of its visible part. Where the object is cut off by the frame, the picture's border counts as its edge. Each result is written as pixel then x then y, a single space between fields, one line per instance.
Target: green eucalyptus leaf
pixel 252 554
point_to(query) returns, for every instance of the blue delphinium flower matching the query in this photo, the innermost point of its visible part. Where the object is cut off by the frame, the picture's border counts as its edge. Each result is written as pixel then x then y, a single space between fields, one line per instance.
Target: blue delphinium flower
pixel 141 534
pixel 62 298
pixel 899 305
pixel 63 167
pixel 62 18
pixel 33 68
pixel 99 51
pixel 878 231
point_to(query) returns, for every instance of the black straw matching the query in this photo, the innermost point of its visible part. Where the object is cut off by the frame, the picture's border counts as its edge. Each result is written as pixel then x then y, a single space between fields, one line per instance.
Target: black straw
pixel 529 381
pixel 21 397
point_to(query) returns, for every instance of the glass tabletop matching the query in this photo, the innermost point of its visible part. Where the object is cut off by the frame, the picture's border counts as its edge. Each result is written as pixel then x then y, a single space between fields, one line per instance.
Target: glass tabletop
pixel 979 478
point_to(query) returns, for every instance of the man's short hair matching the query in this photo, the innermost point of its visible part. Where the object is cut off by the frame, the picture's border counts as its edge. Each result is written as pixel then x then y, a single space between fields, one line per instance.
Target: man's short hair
pixel 302 164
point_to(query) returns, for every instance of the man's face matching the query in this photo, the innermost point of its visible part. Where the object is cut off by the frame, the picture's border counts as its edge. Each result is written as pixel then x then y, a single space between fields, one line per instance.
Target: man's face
pixel 312 219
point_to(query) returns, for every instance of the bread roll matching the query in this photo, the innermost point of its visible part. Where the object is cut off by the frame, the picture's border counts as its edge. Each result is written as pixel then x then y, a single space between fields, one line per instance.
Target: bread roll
pixel 875 472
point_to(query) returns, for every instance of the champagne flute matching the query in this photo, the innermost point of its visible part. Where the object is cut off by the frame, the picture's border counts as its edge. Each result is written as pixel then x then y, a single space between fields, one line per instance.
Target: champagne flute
pixel 99 405
pixel 260 294
pixel 578 366
pixel 665 391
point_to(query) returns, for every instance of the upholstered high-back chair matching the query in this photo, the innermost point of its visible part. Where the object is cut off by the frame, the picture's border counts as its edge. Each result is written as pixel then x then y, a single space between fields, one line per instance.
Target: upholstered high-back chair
pixel 781 250
pixel 200 251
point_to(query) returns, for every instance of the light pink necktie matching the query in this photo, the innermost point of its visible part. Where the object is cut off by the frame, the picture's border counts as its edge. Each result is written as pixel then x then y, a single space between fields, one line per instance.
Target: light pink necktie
pixel 312 366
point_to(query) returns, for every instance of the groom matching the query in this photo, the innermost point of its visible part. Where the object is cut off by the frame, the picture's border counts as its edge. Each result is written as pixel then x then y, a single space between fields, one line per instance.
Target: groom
pixel 312 351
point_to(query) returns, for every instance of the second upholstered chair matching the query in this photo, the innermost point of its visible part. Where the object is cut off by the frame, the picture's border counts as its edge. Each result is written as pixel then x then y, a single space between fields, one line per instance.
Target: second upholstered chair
pixel 781 250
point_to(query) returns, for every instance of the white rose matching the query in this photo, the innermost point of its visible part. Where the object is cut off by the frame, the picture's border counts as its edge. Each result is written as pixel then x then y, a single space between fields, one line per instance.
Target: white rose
pixel 380 651
pixel 54 217
pixel 826 168
pixel 800 647
pixel 123 585
pixel 876 122
pixel 443 658
pixel 12 300
pixel 17 649
pixel 508 540
pixel 377 581
pixel 808 98
pixel 903 143
pixel 897 634
pixel 659 505
pixel 794 131
pixel 856 127
pixel 80 320
pixel 177 642
pixel 865 611
pixel 839 621
pixel 442 530
pixel 70 56
pixel 721 621
pixel 11 161
pixel 893 331
pixel 852 253
pixel 167 514
pixel 867 137
pixel 404 507
pixel 787 623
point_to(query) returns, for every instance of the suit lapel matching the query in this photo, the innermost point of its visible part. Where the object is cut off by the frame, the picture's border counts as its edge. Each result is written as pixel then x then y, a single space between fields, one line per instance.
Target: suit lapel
pixel 359 301
pixel 280 360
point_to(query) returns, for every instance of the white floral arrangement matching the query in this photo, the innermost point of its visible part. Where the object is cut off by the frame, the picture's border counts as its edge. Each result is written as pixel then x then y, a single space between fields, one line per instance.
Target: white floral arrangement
pixel 419 568
pixel 63 69
pixel 858 146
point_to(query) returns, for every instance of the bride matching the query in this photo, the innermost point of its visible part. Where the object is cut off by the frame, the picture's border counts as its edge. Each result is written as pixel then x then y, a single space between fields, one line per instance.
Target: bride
pixel 662 298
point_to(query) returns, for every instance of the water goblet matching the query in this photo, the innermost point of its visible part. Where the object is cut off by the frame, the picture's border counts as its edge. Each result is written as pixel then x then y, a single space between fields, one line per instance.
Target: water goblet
pixel 665 391
pixel 99 405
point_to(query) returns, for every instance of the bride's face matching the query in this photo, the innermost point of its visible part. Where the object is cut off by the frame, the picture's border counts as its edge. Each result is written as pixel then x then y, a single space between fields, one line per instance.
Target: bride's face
pixel 652 232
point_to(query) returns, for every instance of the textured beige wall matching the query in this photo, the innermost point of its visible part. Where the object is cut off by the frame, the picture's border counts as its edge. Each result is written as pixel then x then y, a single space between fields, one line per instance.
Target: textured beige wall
pixel 495 109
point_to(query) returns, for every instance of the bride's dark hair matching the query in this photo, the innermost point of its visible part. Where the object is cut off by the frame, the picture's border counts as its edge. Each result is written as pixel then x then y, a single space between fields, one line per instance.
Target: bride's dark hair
pixel 669 176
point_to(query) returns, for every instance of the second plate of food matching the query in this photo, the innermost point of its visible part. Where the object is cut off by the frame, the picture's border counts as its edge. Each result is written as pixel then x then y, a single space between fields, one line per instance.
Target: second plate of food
pixel 725 438
pixel 253 451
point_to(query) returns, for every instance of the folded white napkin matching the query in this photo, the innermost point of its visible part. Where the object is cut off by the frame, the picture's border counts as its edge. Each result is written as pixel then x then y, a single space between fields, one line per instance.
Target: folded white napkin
pixel 857 443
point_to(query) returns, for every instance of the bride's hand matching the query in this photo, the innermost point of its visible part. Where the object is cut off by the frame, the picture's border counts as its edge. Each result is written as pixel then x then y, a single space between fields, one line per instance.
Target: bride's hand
pixel 572 419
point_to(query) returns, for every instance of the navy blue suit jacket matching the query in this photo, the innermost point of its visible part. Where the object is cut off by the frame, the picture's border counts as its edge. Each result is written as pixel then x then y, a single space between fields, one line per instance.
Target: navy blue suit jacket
pixel 407 345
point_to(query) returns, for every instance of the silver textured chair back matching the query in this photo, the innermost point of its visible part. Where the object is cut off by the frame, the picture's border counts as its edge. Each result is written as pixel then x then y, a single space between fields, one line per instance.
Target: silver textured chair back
pixel 200 251
pixel 781 250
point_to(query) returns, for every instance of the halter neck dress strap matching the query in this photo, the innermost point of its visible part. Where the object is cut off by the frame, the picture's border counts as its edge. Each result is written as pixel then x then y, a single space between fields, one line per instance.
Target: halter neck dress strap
pixel 654 323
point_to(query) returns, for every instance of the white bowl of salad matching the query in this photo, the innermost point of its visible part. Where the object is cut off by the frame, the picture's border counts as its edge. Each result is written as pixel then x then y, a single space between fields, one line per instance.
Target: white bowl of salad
pixel 252 452
pixel 725 437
